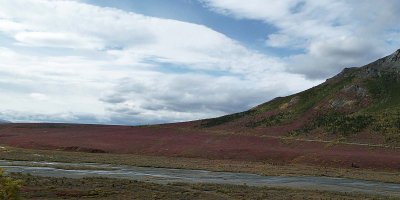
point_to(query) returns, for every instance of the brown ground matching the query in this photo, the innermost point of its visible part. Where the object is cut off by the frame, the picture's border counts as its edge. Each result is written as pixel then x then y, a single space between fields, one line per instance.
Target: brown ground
pixel 179 140
pixel 101 188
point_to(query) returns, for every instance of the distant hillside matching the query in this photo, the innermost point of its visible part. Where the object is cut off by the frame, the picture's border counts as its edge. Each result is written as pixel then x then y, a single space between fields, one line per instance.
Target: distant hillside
pixel 358 103
pixel 4 121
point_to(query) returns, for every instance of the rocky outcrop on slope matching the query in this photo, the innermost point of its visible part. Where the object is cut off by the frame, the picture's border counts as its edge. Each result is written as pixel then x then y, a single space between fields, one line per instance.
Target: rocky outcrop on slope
pixel 388 64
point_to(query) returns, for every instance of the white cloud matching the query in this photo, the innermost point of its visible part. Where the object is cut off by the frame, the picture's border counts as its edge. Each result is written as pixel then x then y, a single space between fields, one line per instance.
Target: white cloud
pixel 353 32
pixel 192 96
pixel 38 96
pixel 63 40
pixel 10 26
pixel 102 64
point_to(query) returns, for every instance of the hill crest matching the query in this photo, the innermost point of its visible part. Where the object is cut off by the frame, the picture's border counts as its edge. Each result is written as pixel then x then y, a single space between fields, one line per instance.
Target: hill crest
pixel 357 101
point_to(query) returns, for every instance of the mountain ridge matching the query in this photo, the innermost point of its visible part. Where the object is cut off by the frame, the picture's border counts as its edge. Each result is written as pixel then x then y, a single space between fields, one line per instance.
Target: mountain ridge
pixel 4 121
pixel 358 100
pixel 387 64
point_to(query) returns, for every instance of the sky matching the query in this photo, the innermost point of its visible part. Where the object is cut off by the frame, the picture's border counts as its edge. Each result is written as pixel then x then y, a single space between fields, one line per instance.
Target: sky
pixel 136 62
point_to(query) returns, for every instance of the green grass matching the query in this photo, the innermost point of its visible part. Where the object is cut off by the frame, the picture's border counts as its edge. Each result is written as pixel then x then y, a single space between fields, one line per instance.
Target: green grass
pixel 385 108
pixel 271 120
pixel 9 188
pixel 387 123
pixel 311 97
pixel 385 91
pixel 271 105
pixel 338 123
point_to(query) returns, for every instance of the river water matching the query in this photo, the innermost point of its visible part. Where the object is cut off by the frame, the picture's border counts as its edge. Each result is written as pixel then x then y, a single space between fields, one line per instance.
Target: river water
pixel 166 175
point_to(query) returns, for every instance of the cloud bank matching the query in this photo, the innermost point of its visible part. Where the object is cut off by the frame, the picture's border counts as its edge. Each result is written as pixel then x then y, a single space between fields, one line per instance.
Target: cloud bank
pixel 332 34
pixel 69 61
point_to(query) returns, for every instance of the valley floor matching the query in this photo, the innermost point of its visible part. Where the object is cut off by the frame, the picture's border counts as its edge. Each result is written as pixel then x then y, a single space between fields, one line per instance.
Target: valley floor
pixel 104 188
pixel 169 147
pixel 176 141
pixel 261 168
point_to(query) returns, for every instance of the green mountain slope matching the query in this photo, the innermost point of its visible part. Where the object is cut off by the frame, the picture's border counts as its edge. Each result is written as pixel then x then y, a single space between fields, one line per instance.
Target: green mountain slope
pixel 356 101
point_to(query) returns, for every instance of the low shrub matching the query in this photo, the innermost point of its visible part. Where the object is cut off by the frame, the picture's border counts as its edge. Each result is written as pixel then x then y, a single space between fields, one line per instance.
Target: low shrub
pixel 9 188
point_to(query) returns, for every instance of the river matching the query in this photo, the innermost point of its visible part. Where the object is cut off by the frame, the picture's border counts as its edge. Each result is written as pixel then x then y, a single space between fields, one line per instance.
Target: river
pixel 166 175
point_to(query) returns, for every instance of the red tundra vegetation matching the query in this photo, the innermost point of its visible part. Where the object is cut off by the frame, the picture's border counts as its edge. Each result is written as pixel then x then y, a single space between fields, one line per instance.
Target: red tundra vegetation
pixel 185 140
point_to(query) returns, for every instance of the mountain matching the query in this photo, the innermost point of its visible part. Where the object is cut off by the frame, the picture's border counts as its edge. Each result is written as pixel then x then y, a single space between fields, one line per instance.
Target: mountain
pixel 358 104
pixel 4 121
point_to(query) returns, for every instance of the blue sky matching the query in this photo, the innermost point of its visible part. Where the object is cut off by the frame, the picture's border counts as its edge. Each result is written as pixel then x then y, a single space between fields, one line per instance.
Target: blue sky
pixel 250 33
pixel 155 61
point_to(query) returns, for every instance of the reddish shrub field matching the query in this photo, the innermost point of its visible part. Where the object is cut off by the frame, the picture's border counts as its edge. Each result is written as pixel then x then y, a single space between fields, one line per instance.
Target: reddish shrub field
pixel 179 140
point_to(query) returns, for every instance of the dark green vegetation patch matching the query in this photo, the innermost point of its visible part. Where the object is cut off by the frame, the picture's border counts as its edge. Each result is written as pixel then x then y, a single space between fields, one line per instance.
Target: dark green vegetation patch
pixel 337 123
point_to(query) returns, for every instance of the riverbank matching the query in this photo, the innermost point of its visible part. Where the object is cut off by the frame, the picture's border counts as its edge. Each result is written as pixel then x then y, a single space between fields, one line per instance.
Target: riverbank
pixel 261 168
pixel 188 176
